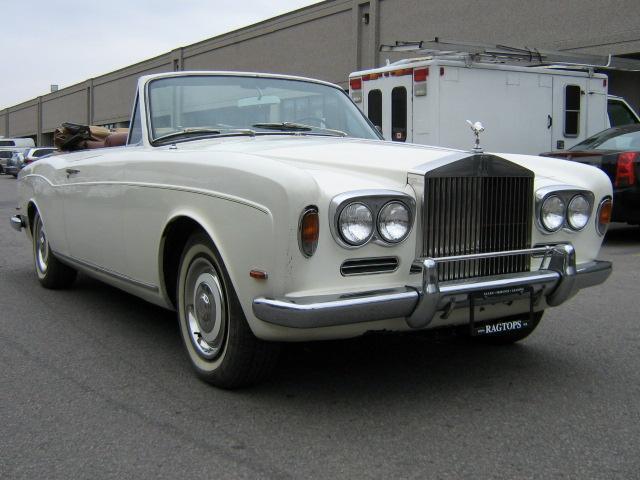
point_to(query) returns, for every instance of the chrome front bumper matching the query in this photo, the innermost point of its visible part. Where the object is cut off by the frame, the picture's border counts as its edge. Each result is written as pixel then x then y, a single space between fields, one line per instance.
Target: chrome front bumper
pixel 557 280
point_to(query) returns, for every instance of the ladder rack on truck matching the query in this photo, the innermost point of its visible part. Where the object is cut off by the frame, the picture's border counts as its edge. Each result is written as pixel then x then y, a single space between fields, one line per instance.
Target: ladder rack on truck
pixel 478 53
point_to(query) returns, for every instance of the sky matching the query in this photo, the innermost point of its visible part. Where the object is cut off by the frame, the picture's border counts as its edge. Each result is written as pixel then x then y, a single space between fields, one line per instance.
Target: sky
pixel 48 42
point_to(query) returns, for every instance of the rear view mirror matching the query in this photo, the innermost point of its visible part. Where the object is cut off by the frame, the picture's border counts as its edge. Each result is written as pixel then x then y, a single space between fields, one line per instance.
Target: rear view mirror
pixel 255 101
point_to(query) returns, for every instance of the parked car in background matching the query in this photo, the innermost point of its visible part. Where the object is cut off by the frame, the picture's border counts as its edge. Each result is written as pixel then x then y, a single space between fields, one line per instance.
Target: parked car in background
pixel 14 164
pixel 616 151
pixel 36 153
pixel 5 155
pixel 266 208
pixel 620 112
pixel 10 145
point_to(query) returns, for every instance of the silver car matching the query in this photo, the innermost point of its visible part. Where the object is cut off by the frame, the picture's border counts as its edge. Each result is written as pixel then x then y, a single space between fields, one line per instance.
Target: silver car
pixel 16 162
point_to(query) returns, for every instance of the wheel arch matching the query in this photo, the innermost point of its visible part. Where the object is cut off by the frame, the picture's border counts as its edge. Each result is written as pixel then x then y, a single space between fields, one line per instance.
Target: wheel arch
pixel 32 209
pixel 177 231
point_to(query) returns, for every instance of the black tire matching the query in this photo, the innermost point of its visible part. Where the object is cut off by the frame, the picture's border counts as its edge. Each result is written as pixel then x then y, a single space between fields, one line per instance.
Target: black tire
pixel 509 337
pixel 219 343
pixel 15 175
pixel 50 271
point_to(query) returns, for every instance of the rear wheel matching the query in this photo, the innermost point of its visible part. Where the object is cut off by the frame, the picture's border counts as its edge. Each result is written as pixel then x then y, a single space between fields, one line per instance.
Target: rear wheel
pixel 220 345
pixel 50 271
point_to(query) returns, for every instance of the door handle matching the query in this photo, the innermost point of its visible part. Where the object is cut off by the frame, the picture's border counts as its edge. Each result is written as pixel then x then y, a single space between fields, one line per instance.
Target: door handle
pixel 549 121
pixel 71 171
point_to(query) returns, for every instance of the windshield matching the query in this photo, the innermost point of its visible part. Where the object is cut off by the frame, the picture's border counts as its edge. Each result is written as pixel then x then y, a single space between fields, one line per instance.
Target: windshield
pixel 202 105
pixel 612 139
pixel 619 114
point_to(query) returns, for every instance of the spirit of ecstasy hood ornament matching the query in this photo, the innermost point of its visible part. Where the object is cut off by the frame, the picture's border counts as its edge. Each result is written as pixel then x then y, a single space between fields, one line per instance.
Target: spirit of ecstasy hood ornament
pixel 477 129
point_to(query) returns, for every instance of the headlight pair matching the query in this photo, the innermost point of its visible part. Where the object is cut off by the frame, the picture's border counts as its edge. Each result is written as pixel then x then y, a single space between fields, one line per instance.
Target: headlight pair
pixel 562 208
pixel 362 217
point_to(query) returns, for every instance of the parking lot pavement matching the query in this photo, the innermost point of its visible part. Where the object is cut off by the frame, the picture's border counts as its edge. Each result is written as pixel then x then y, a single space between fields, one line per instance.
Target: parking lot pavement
pixel 94 383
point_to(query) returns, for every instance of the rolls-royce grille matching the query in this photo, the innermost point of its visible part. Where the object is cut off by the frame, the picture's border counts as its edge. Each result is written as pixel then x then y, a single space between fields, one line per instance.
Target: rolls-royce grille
pixel 467 215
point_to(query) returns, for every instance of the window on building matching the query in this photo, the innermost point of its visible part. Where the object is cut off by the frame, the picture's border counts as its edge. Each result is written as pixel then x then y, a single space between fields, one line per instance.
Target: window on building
pixel 374 106
pixel 399 114
pixel 572 95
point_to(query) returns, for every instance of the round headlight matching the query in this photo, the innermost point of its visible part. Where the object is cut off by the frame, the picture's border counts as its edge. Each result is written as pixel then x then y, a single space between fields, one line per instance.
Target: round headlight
pixel 356 224
pixel 578 212
pixel 552 213
pixel 394 222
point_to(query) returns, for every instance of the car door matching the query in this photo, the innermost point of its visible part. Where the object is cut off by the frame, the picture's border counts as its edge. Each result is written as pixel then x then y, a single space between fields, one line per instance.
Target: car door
pixel 93 208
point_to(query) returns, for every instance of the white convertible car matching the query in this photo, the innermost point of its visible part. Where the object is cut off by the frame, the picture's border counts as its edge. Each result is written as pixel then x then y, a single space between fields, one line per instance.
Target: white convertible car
pixel 266 208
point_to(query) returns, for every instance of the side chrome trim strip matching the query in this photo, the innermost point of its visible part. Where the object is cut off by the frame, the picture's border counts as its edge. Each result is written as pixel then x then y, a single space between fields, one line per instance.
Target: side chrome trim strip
pixel 177 188
pixel 105 271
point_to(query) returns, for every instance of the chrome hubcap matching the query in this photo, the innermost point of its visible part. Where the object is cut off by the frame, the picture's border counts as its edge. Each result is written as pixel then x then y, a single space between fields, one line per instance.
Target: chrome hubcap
pixel 42 248
pixel 205 309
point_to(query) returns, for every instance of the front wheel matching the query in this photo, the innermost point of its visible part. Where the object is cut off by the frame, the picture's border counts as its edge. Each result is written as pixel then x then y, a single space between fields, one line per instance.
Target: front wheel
pixel 51 272
pixel 220 345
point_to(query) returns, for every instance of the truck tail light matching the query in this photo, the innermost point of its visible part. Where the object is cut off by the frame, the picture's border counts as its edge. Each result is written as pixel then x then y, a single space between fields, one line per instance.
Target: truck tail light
pixel 356 83
pixel 625 169
pixel 420 81
pixel 309 231
pixel 356 89
pixel 420 74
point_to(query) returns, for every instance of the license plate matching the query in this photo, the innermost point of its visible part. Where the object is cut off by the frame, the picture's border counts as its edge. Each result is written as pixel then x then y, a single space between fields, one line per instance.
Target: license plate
pixel 501 295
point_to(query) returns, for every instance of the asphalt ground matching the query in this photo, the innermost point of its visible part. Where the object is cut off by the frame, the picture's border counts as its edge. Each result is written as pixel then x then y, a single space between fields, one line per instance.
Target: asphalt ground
pixel 94 384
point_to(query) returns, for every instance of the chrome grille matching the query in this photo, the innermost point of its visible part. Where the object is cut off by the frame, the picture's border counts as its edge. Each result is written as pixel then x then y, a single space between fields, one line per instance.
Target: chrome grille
pixel 478 214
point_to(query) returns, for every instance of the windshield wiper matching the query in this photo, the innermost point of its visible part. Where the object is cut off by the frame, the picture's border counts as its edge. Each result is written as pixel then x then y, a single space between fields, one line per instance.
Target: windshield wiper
pixel 296 127
pixel 204 132
pixel 185 132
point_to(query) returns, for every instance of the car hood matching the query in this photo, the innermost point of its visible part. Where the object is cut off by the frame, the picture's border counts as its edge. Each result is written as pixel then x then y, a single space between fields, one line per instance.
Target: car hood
pixel 369 158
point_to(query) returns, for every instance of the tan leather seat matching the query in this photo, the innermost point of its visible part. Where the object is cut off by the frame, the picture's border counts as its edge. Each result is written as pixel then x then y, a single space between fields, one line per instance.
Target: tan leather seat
pixel 117 139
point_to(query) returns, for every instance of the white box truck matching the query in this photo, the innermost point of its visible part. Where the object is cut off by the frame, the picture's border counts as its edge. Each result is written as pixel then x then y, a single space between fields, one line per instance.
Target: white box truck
pixel 524 109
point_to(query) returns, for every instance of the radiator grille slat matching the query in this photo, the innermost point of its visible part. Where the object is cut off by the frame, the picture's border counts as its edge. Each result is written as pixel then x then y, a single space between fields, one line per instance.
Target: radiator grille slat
pixel 466 215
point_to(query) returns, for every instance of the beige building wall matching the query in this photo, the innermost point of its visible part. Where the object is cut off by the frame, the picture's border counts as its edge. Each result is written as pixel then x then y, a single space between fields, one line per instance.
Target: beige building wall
pixel 23 119
pixel 70 103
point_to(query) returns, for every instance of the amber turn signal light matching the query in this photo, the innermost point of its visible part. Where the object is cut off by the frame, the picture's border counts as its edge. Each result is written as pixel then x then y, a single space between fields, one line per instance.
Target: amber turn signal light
pixel 309 231
pixel 604 215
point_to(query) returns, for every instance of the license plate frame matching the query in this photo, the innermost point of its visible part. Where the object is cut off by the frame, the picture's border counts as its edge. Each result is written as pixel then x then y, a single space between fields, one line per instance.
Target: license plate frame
pixel 491 297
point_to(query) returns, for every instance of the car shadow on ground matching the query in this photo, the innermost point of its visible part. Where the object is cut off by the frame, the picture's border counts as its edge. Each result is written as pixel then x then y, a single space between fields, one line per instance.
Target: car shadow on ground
pixel 401 363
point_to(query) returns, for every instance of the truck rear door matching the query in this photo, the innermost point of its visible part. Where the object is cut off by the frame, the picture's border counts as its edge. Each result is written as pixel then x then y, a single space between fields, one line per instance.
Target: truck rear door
pixel 388 102
pixel 569 124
